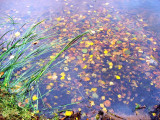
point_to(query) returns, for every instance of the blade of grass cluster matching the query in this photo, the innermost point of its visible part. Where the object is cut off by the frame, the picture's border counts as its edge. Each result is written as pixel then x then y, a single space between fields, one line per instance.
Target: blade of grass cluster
pixel 41 96
pixel 62 106
pixel 65 48
pixel 27 75
pixel 8 77
pixel 13 46
pixel 12 20
pixel 5 34
pixel 51 61
pixel 26 59
pixel 23 78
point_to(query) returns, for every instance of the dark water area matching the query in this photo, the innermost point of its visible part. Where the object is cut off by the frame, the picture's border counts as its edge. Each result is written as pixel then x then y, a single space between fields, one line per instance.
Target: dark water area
pixel 114 69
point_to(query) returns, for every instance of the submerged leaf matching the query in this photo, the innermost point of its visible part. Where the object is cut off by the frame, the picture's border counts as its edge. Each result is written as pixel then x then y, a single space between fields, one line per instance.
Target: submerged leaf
pixel 34 97
pixel 84 50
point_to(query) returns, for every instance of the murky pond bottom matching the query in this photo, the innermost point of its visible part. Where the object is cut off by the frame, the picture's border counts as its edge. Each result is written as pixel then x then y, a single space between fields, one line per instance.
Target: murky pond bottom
pixel 114 68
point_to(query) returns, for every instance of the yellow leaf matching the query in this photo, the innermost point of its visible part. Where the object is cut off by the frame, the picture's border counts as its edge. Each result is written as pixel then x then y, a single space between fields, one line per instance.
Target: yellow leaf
pixel 68 12
pixel 105 51
pixel 34 97
pixel 110 65
pixel 141 20
pixel 91 43
pixel 119 66
pixel 48 87
pixel 49 77
pixel 17 34
pixel 141 58
pixel 119 96
pixel 68 113
pixel 118 77
pixel 101 82
pixel 68 92
pixel 100 29
pixel 102 105
pixel 134 38
pixel 111 83
pixel 56 97
pixel 51 84
pixel 64 30
pixel 106 4
pixel 109 15
pixel 85 67
pixel 92 103
pixel 63 74
pixel 154 49
pixel 79 109
pixel 125 49
pixel 36 111
pixel 104 109
pixel 74 20
pixel 94 89
pixel 52 56
pixel 90 56
pixel 58 19
pixel 154 114
pixel 62 78
pixel 103 98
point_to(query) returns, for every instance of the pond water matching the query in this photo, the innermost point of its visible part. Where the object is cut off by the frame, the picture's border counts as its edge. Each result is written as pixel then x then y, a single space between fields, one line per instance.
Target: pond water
pixel 113 69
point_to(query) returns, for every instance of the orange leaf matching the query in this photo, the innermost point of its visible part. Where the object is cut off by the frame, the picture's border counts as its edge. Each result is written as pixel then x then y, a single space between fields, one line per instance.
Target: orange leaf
pixel 86 79
pixel 107 103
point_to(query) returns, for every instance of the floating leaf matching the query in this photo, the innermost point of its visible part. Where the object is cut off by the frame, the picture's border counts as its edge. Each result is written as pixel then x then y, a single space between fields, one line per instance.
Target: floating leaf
pixel 109 16
pixel 111 83
pixel 119 66
pixel 116 28
pixel 110 65
pixel 127 52
pixel 154 114
pixel 106 4
pixel 85 67
pixel 51 84
pixel 1 74
pixel 94 95
pixel 103 98
pixel 34 97
pixel 118 42
pixel 92 103
pixel 119 96
pixel 102 105
pixel 118 77
pixel 141 58
pixel 54 77
pixel 107 103
pixel 86 79
pixel 48 87
pixel 63 74
pixel 58 19
pixel 94 89
pixel 17 34
pixel 101 82
pixel 105 51
pixel 62 78
pixel 137 106
pixel 84 50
